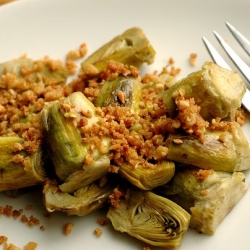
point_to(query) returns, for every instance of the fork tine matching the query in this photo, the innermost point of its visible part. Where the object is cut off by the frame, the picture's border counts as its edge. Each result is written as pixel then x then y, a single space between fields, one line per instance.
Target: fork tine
pixel 246 100
pixel 241 65
pixel 240 38
pixel 215 55
pixel 221 62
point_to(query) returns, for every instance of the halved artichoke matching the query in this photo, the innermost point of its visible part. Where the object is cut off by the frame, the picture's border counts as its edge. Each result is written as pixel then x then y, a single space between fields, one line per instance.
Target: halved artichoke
pixel 130 48
pixel 66 149
pixel 87 175
pixel 147 178
pixel 216 90
pixel 122 91
pixel 36 70
pixel 150 218
pixel 18 169
pixel 82 202
pixel 22 158
pixel 206 194
pixel 230 154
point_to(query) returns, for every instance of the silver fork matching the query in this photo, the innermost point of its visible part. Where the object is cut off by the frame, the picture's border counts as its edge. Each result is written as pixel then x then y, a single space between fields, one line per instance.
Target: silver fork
pixel 241 65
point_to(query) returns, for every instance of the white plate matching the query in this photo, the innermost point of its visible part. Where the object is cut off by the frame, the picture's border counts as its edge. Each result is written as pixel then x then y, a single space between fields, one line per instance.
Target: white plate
pixel 175 28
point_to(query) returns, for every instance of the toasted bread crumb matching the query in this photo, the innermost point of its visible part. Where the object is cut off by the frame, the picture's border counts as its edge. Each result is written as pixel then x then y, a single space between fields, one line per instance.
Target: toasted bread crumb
pixel 147 248
pixel 193 59
pixel 3 239
pixel 42 228
pixel 98 232
pixel 102 222
pixel 67 229
pixel 30 246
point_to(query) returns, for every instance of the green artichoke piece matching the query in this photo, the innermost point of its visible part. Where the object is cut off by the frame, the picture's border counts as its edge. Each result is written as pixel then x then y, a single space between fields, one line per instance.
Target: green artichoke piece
pixel 148 178
pixel 130 48
pixel 19 167
pixel 164 79
pixel 206 194
pixel 231 154
pixel 17 175
pixel 58 75
pixel 84 201
pixel 89 174
pixel 216 90
pixel 63 138
pixel 150 218
pixel 128 87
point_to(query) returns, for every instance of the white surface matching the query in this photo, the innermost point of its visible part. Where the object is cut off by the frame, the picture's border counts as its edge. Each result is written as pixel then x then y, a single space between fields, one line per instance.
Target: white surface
pixel 175 28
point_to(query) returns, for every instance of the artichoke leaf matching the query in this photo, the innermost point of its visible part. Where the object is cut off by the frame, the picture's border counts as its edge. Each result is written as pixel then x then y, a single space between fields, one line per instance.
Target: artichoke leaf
pixel 216 90
pixel 231 154
pixel 148 178
pixel 129 87
pixel 27 172
pixel 63 138
pixel 207 195
pixel 130 48
pixel 82 202
pixel 90 173
pixel 150 218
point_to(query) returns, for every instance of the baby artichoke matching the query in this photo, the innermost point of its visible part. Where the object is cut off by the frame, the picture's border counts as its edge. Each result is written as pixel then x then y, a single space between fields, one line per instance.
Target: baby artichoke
pixel 207 195
pixel 130 48
pixel 87 175
pixel 150 218
pixel 18 169
pixel 23 83
pixel 216 90
pixel 122 91
pixel 73 158
pixel 147 178
pixel 44 70
pixel 82 202
pixel 230 154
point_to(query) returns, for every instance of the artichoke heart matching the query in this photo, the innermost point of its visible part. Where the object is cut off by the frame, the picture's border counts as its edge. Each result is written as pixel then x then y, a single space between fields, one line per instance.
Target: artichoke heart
pixel 123 91
pixel 82 202
pixel 63 136
pixel 130 48
pixel 207 195
pixel 216 90
pixel 89 174
pixel 150 218
pixel 148 178
pixel 18 169
pixel 231 154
